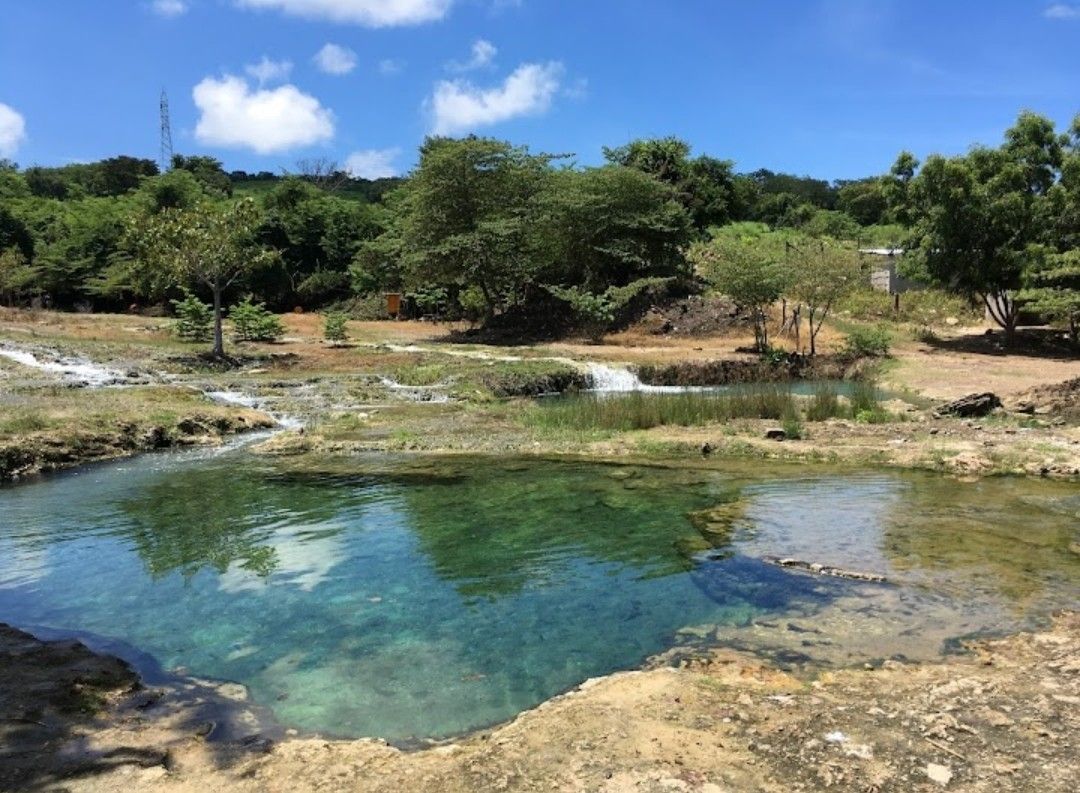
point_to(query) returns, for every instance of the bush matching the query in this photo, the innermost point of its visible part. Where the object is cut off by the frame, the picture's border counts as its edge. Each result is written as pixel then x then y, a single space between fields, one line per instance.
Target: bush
pixel 334 327
pixel 252 322
pixel 871 342
pixel 194 319
pixel 793 427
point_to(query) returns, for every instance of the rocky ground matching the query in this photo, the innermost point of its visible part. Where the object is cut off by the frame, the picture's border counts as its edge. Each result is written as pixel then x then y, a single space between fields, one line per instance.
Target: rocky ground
pixel 1002 716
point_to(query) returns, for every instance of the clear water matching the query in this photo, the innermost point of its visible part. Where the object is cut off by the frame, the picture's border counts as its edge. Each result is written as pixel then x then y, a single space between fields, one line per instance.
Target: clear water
pixel 424 600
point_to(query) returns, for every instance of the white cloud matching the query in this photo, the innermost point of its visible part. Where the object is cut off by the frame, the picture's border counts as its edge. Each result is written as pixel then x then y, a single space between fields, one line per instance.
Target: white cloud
pixel 483 53
pixel 370 13
pixel 265 120
pixel 334 59
pixel 373 163
pixel 459 106
pixel 12 130
pixel 390 66
pixel 1062 11
pixel 169 8
pixel 268 71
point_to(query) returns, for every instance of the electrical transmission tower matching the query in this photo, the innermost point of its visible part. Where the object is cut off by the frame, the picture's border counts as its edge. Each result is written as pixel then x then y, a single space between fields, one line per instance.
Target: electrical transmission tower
pixel 166 133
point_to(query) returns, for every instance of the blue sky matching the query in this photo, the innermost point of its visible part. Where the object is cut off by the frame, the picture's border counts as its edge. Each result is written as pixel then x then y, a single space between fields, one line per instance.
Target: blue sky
pixel 830 88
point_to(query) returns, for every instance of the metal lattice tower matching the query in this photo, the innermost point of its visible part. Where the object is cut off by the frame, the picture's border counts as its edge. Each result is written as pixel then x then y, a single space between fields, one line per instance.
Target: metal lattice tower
pixel 166 133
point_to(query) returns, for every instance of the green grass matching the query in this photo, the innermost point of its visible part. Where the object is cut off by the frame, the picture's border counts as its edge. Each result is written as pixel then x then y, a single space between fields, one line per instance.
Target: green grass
pixel 639 411
pixel 825 404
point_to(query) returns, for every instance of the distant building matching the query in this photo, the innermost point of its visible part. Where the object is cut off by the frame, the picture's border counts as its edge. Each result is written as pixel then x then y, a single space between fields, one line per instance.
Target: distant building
pixel 884 276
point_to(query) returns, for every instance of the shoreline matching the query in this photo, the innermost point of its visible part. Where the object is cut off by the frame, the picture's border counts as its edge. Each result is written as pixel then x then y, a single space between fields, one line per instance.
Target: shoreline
pixel 154 734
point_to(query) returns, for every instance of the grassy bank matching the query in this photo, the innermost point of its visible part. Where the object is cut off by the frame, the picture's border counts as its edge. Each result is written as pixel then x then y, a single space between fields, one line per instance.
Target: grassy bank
pixel 52 427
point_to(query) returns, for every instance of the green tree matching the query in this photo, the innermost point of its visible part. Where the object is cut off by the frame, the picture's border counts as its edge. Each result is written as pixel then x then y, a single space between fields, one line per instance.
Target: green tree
pixel 824 271
pixel 1052 288
pixel 748 265
pixel 335 327
pixel 609 226
pixel 863 200
pixel 976 216
pixel 17 276
pixel 208 245
pixel 467 212
pixel 705 186
pixel 208 171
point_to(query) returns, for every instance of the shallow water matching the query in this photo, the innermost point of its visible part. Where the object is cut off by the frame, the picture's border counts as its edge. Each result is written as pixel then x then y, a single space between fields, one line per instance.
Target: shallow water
pixel 424 600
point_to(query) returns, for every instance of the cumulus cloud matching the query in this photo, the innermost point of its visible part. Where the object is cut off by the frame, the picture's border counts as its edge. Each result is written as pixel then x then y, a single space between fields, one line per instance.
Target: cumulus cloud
pixel 12 130
pixel 169 8
pixel 459 106
pixel 264 120
pixel 1062 11
pixel 335 59
pixel 370 13
pixel 373 163
pixel 483 53
pixel 268 71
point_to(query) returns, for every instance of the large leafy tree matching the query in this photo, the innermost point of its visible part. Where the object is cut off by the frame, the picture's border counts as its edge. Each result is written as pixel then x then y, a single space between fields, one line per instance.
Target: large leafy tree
pixel 976 216
pixel 467 213
pixel 609 226
pixel 207 245
pixel 705 186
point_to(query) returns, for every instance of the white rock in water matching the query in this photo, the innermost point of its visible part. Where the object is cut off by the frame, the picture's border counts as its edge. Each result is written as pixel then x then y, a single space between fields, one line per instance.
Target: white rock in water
pixel 836 737
pixel 939 773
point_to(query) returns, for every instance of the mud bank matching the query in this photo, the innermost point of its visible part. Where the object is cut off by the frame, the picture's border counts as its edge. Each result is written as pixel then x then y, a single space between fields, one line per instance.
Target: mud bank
pixel 1003 715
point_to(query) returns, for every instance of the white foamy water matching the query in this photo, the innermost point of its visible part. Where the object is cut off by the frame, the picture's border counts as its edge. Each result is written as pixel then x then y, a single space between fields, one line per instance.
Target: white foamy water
pixel 72 370
pixel 416 393
pixel 241 399
pixel 619 380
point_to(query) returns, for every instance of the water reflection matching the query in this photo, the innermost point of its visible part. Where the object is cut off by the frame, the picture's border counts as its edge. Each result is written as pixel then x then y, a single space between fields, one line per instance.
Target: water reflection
pixel 430 598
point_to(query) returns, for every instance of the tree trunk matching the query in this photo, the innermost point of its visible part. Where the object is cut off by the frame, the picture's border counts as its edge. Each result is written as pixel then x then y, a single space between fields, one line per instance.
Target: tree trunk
pixel 1003 311
pixel 813 334
pixel 219 342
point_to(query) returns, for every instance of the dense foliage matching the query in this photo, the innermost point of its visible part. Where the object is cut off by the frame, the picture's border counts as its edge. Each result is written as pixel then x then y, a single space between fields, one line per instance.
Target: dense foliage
pixel 486 230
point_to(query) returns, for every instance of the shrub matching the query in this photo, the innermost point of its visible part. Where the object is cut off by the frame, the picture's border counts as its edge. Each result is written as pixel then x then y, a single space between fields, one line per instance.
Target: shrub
pixel 793 427
pixel 595 311
pixel 194 319
pixel 252 322
pixel 334 327
pixel 869 342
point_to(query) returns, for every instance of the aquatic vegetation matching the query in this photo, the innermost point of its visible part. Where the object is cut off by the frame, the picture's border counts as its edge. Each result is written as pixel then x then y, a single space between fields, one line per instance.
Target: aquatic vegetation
pixel 642 410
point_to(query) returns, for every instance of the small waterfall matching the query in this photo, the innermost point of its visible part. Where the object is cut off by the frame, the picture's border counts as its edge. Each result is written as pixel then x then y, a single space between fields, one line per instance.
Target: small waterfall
pixel 618 380
pixel 610 378
pixel 72 370
pixel 241 399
